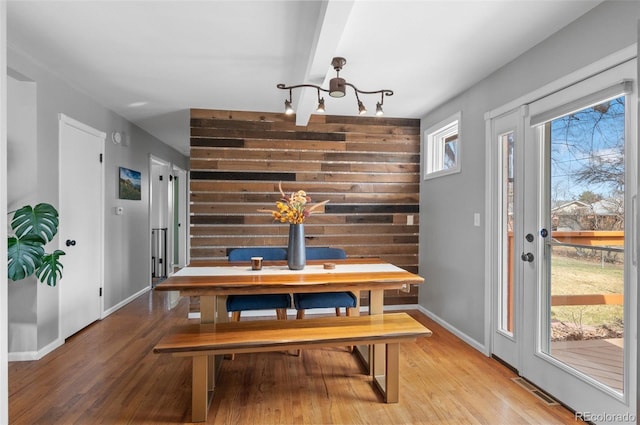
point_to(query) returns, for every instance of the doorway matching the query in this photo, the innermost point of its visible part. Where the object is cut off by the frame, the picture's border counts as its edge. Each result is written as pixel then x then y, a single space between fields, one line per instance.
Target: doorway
pixel 168 212
pixel 179 222
pixel 563 266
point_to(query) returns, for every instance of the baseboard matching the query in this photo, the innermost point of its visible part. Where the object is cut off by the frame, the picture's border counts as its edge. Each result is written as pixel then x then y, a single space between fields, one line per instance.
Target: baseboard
pixel 314 312
pixel 124 302
pixel 37 355
pixel 466 338
pixel 26 356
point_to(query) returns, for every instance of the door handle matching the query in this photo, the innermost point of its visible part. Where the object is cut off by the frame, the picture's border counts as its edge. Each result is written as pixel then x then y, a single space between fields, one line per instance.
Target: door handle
pixel 528 257
pixel 70 242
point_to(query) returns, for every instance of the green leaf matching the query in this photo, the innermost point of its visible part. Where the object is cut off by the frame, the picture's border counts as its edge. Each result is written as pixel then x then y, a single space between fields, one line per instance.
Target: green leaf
pixel 25 256
pixel 51 269
pixel 40 221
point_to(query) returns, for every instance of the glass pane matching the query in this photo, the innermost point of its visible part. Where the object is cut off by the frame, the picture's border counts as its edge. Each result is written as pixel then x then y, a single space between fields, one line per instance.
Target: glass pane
pixel 507 177
pixel 585 250
pixel 450 152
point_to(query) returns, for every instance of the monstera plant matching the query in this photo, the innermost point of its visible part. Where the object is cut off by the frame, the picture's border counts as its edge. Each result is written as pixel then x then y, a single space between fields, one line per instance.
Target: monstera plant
pixel 33 228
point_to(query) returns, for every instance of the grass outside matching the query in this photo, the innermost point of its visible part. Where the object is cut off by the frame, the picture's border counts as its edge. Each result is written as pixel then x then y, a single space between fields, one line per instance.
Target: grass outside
pixel 576 276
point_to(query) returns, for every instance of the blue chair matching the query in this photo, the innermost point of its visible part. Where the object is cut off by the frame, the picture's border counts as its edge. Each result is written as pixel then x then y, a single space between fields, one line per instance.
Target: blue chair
pixel 335 300
pixel 236 304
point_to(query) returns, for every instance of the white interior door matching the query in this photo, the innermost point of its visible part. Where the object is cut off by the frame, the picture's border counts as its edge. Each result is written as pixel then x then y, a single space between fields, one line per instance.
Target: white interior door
pixel 579 270
pixel 81 224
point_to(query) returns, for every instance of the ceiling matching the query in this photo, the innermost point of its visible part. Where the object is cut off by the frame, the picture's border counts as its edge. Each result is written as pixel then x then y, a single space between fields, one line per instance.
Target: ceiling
pixel 150 61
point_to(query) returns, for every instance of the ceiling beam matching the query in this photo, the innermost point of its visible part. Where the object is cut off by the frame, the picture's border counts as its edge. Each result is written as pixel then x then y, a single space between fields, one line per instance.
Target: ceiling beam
pixel 332 21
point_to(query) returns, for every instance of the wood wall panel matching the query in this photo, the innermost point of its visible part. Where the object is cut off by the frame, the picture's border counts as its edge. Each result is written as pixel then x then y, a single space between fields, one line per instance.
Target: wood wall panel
pixel 367 167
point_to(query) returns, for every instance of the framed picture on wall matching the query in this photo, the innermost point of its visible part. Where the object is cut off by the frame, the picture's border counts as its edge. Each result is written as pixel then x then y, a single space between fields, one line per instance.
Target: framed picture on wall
pixel 130 184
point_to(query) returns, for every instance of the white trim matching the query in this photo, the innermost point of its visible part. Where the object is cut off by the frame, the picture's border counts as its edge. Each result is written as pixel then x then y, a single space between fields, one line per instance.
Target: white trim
pixel 489 228
pixel 83 127
pixel 25 356
pixel 434 147
pixel 610 61
pixel 4 294
pixel 624 87
pixel 124 302
pixel 455 331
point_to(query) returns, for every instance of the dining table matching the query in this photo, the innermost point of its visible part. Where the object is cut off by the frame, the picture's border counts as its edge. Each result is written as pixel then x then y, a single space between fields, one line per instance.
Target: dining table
pixel 213 281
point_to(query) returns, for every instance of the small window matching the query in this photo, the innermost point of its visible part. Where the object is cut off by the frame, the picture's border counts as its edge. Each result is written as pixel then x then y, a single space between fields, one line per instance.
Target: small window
pixel 442 148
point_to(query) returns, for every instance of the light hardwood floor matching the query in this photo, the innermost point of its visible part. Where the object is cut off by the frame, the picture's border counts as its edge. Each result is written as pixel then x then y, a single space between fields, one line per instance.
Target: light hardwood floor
pixel 107 374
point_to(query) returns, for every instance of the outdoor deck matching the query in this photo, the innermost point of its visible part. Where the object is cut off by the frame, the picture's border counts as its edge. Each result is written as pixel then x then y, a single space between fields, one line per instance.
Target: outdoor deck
pixel 602 359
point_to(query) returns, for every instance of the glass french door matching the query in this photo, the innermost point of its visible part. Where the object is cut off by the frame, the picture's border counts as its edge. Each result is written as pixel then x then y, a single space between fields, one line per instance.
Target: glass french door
pixel 506 168
pixel 576 255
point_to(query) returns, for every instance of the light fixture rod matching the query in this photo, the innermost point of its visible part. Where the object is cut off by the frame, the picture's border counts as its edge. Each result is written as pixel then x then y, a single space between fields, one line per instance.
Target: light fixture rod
pixel 385 92
pixel 337 88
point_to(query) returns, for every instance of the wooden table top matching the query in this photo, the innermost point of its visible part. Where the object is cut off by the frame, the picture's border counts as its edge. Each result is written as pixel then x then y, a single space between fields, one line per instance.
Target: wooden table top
pixel 233 278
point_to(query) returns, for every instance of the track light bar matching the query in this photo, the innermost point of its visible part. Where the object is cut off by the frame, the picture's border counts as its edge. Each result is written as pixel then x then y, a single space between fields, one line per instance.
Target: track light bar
pixel 337 88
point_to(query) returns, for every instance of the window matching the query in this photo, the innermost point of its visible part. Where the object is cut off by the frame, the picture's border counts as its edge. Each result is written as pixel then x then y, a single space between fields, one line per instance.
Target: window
pixel 442 148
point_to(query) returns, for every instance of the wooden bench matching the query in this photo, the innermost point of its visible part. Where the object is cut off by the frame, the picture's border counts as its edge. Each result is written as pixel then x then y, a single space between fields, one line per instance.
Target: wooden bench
pixel 201 341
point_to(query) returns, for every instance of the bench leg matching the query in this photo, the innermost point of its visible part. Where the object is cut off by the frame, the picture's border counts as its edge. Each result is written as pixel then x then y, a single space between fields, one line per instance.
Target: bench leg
pixel 392 374
pixel 208 313
pixel 199 389
pixel 387 380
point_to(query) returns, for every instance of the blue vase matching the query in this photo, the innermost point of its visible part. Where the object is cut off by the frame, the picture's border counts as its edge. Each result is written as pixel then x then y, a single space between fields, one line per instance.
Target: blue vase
pixel 296 255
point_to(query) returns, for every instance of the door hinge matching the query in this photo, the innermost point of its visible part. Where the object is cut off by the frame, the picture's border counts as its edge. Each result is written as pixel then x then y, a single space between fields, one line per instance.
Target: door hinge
pixel 101 158
pixel 100 291
pixel 170 178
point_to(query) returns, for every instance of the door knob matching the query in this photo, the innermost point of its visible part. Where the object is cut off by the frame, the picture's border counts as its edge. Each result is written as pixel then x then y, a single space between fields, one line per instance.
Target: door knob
pixel 528 257
pixel 71 242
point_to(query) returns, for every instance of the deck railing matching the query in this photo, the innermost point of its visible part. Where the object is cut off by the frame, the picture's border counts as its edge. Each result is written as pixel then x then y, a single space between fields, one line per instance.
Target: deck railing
pixel 602 240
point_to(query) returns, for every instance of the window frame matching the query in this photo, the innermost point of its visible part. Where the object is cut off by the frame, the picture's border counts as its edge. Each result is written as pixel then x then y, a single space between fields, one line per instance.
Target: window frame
pixel 436 138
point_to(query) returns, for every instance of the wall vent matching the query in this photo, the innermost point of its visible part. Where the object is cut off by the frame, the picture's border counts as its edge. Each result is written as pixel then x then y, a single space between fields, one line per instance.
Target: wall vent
pixel 546 398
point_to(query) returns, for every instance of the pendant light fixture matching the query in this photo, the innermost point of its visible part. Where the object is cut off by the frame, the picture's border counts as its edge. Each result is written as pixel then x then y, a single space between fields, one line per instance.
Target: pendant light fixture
pixel 337 88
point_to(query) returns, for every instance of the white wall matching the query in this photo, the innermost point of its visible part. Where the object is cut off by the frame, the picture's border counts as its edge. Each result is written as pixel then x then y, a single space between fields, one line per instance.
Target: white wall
pixel 127 236
pixel 452 257
pixel 21 190
pixel 4 373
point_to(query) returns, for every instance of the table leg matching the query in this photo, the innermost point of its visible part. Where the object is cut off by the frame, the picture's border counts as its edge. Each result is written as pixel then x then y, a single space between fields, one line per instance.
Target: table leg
pixel 376 351
pixel 222 313
pixel 366 352
pixel 207 309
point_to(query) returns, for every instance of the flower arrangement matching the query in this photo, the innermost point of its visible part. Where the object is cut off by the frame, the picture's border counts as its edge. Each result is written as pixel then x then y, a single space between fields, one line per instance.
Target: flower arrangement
pixel 294 208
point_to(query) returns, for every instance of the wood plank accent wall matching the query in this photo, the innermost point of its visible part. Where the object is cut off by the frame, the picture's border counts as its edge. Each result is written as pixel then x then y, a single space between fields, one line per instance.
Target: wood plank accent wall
pixel 367 167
